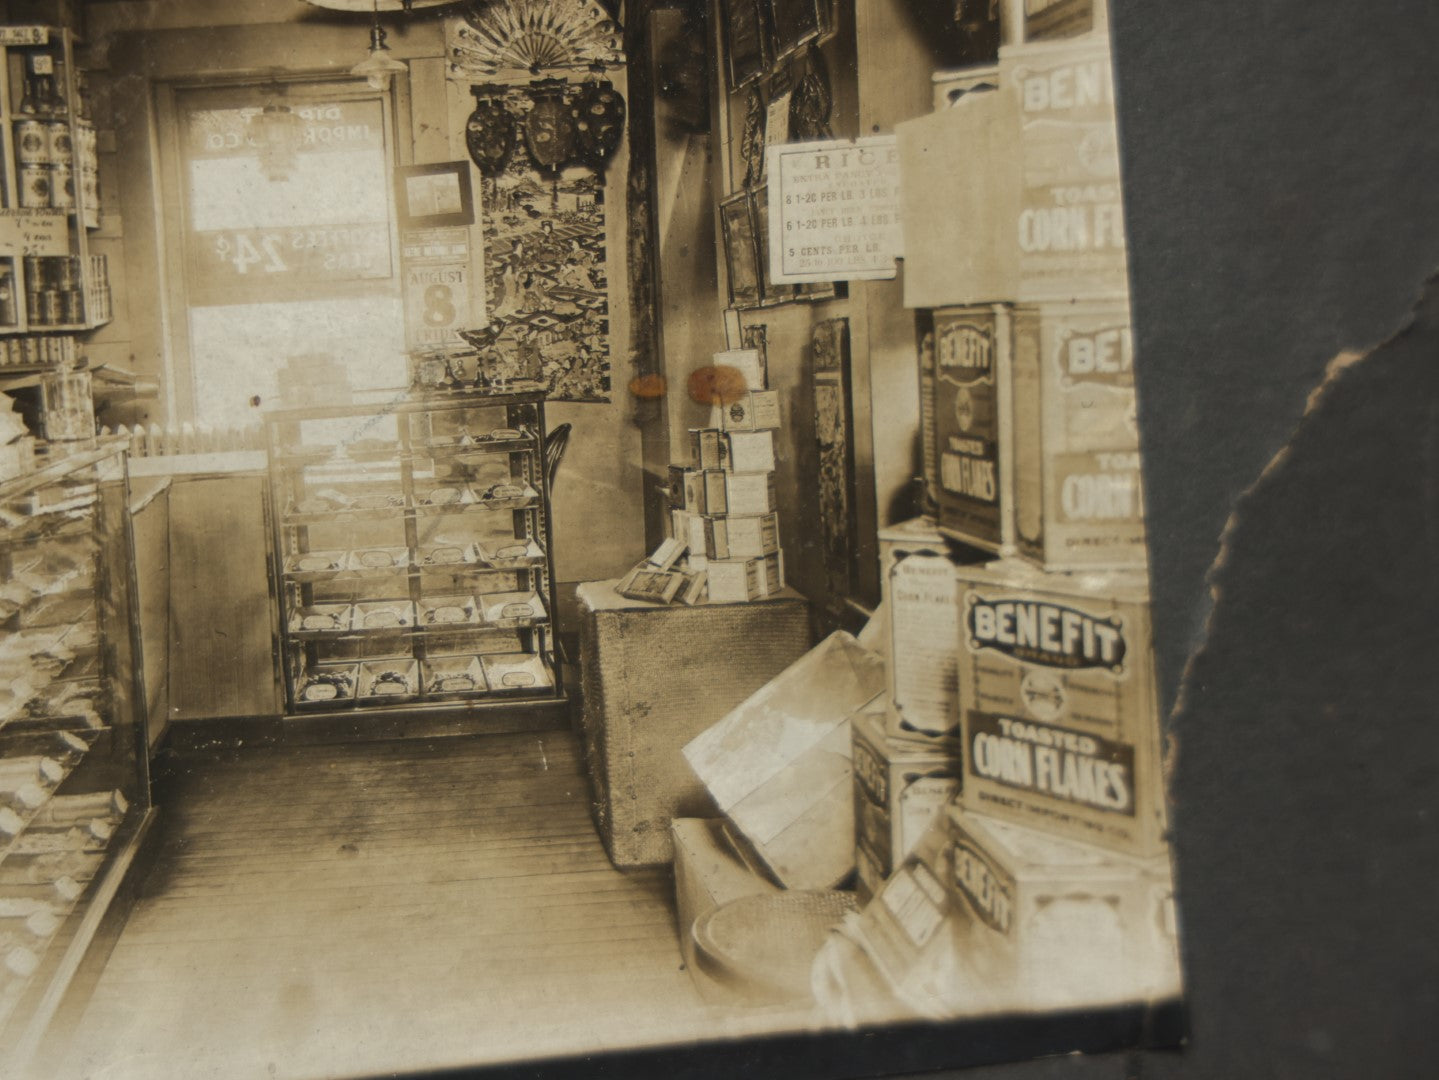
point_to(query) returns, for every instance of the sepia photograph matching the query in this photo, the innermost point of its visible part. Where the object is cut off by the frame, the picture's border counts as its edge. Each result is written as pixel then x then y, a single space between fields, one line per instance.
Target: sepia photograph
pixel 703 538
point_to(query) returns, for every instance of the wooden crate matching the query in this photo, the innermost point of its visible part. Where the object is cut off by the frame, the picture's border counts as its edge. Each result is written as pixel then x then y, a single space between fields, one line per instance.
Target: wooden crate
pixel 654 677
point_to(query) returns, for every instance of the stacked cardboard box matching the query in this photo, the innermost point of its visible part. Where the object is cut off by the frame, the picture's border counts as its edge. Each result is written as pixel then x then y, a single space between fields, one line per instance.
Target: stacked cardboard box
pixel 1019 617
pixel 722 500
pixel 1031 438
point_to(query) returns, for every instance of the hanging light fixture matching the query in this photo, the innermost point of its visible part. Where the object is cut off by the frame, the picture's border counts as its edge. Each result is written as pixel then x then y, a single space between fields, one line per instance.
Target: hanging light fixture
pixel 379 66
pixel 275 132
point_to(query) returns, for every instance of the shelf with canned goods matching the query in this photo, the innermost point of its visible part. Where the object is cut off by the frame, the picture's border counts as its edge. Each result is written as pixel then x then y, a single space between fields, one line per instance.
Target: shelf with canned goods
pixel 50 281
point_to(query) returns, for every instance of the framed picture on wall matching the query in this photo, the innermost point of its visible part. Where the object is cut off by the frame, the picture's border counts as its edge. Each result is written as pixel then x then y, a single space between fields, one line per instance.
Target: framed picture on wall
pixel 795 23
pixel 747 42
pixel 770 293
pixel 741 247
pixel 431 196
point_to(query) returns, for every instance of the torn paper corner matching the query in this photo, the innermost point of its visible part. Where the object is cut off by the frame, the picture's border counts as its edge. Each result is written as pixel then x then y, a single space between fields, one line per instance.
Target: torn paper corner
pixel 1341 366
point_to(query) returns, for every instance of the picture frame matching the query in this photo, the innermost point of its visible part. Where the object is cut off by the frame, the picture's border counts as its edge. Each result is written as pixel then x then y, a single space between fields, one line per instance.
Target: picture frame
pixel 795 24
pixel 748 44
pixel 434 196
pixel 737 226
pixel 770 293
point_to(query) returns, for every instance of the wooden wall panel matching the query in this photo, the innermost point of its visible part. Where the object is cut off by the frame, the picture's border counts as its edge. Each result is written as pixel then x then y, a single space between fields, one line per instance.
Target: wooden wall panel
pixel 151 524
pixel 221 658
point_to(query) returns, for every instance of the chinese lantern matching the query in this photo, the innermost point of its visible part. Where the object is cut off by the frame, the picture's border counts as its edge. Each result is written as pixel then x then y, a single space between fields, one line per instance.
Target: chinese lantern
pixel 550 127
pixel 599 114
pixel 490 131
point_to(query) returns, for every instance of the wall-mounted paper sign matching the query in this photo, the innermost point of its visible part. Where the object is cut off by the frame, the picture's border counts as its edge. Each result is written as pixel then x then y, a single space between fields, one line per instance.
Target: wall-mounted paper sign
pixel 834 210
pixel 442 287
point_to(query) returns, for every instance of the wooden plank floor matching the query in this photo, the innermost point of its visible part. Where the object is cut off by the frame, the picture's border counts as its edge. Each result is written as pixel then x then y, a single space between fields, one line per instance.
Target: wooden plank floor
pixel 331 911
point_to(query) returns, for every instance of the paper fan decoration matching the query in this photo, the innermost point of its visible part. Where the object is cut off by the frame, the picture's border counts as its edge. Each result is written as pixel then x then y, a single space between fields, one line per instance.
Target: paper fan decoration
pixel 504 37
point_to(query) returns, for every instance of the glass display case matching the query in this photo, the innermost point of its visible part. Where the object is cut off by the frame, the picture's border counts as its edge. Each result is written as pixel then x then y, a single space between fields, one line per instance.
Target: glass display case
pixel 74 778
pixel 413 552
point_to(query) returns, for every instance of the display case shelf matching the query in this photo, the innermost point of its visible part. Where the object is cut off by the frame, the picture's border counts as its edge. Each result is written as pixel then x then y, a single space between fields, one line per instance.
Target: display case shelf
pixel 74 778
pixel 467 539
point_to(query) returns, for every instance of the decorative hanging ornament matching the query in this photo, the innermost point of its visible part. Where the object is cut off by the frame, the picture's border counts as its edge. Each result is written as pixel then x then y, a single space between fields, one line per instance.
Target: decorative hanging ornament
pixel 751 144
pixel 490 131
pixel 550 128
pixel 810 104
pixel 599 116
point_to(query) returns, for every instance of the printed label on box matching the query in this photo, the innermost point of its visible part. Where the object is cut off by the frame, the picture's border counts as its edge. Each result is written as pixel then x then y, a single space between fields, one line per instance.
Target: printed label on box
pixel 966 423
pixel 1059 763
pixel 984 884
pixel 754 412
pixel 924 624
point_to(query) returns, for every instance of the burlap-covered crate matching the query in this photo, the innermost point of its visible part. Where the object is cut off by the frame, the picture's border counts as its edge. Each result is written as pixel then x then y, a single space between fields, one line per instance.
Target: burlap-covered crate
pixel 654 677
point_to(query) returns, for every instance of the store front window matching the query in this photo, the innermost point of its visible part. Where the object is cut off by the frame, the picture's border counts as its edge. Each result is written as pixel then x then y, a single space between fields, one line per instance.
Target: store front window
pixel 290 286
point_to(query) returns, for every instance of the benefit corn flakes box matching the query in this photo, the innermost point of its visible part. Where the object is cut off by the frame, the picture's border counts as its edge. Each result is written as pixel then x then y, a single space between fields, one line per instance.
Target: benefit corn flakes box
pixel 1055 923
pixel 969 414
pixel 901 787
pixel 1073 469
pixel 1068 230
pixel 1058 707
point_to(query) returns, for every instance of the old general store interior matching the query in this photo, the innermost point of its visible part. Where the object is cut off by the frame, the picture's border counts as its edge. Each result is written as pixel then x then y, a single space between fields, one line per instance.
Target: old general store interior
pixel 471 597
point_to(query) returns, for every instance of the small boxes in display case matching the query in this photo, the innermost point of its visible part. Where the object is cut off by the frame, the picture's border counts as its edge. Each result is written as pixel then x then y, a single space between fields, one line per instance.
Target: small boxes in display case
pixel 384 615
pixel 440 552
pixel 506 496
pixel 512 610
pixel 379 558
pixel 317 562
pixel 326 684
pixel 517 673
pixel 452 561
pixel 448 611
pixel 325 618
pixel 453 675
pixel 391 680
pixel 511 556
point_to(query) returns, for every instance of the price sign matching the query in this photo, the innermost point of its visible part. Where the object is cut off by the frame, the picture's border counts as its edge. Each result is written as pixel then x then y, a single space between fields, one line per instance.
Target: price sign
pixel 24 35
pixel 834 210
pixel 33 232
pixel 311 253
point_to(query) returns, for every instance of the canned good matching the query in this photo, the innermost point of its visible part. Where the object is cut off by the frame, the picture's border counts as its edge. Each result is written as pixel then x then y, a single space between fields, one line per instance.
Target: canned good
pixel 61 144
pixel 32 143
pixel 90 194
pixel 67 272
pixel 62 187
pixel 9 316
pixel 72 307
pixel 50 307
pixel 34 183
pixel 35 273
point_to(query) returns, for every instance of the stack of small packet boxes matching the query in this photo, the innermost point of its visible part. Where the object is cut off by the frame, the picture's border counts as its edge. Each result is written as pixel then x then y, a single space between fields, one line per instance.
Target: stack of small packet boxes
pixel 722 501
